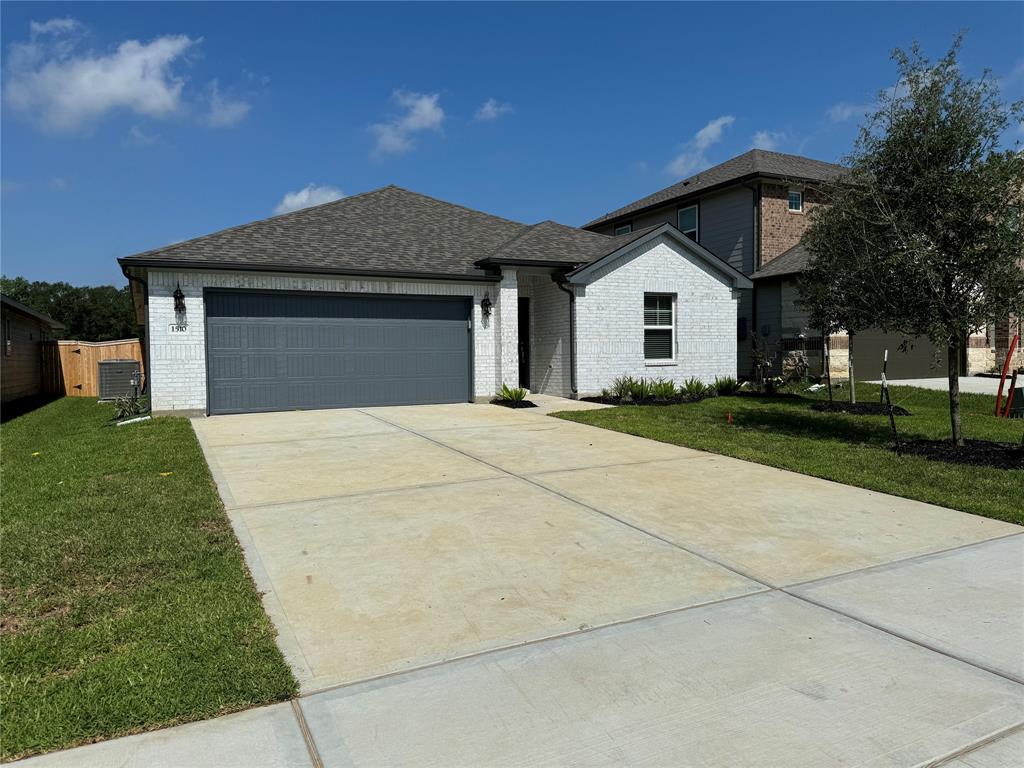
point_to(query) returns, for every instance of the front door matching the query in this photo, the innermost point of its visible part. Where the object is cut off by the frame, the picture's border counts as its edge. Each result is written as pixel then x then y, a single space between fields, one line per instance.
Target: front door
pixel 524 342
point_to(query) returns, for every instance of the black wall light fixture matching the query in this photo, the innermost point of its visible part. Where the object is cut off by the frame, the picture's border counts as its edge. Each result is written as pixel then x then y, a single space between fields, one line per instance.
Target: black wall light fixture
pixel 179 301
pixel 486 305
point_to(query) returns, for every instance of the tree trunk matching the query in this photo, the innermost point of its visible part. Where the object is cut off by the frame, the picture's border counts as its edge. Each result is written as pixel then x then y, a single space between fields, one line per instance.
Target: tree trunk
pixel 849 354
pixel 953 366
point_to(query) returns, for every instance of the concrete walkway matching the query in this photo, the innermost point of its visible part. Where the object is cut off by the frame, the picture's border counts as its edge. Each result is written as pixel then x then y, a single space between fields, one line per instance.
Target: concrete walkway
pixel 981 385
pixel 471 585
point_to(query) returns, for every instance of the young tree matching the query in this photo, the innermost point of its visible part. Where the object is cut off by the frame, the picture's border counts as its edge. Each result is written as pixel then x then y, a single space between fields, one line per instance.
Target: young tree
pixel 926 223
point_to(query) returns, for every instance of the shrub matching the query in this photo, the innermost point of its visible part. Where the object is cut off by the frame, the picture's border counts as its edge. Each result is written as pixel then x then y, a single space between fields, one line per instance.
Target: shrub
pixel 641 389
pixel 127 406
pixel 726 386
pixel 693 389
pixel 511 394
pixel 663 389
pixel 622 387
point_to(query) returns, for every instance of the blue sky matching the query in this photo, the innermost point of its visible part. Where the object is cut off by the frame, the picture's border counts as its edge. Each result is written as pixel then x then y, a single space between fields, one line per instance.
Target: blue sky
pixel 129 126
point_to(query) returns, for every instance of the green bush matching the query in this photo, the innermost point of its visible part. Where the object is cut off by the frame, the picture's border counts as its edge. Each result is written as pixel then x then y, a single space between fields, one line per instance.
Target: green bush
pixel 511 394
pixel 641 389
pixel 726 386
pixel 693 389
pixel 622 387
pixel 664 389
pixel 127 406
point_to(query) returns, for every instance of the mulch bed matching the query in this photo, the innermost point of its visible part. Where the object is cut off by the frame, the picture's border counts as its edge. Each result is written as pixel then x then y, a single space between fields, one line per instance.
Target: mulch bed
pixel 860 409
pixel 514 403
pixel 979 453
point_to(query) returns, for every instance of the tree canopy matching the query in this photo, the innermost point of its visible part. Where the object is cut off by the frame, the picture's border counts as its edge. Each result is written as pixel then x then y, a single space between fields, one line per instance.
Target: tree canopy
pixel 89 313
pixel 922 235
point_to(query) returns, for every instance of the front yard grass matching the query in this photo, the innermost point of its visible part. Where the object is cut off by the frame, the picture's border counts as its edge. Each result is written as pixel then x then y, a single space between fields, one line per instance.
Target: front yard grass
pixel 855 450
pixel 126 604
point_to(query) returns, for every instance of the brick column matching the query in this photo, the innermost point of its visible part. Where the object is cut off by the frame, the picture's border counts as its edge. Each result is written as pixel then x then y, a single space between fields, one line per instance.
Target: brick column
pixel 508 328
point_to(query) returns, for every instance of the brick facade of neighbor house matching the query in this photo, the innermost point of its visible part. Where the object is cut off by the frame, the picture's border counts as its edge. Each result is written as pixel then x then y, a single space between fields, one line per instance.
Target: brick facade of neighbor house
pixel 781 228
pixel 1003 336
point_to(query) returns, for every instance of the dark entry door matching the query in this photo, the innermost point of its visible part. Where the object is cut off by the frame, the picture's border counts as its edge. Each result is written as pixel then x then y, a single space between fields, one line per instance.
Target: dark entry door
pixel 524 342
pixel 273 351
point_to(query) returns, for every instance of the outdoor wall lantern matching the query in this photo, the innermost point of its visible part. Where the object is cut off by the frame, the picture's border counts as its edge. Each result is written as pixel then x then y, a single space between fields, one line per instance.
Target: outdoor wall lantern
pixel 179 301
pixel 485 305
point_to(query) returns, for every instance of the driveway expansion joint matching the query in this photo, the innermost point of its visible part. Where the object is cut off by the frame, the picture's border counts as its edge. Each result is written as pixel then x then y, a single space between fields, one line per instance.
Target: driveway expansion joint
pixel 769 587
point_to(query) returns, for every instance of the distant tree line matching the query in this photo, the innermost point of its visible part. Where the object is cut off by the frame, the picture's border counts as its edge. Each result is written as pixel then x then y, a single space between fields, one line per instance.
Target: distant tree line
pixel 89 313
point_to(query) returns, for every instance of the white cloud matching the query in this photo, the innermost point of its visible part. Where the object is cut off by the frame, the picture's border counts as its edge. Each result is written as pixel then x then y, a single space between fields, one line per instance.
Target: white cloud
pixel 693 157
pixel 309 195
pixel 66 92
pixel 225 112
pixel 53 27
pixel 844 110
pixel 492 109
pixel 770 140
pixel 141 138
pixel 422 113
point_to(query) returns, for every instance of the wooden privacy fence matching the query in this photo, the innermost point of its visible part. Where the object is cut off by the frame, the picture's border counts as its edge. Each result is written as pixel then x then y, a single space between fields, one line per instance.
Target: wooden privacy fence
pixel 72 367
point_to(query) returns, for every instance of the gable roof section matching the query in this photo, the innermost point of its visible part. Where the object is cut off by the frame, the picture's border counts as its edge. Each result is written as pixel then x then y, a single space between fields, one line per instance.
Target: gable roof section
pixel 750 165
pixel 729 272
pixel 389 230
pixel 790 262
pixel 20 308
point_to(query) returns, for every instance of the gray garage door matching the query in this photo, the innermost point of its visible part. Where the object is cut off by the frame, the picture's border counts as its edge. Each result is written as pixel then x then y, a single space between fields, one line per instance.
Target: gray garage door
pixel 278 351
pixel 921 359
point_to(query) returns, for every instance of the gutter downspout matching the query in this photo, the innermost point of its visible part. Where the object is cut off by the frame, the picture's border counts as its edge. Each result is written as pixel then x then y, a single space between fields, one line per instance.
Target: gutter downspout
pixel 145 347
pixel 563 285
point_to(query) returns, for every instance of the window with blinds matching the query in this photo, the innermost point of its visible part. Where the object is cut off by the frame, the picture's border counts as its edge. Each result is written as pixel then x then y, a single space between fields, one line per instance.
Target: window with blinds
pixel 659 326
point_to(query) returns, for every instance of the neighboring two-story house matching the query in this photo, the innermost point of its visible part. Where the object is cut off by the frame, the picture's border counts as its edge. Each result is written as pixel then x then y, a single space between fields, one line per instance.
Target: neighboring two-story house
pixel 751 212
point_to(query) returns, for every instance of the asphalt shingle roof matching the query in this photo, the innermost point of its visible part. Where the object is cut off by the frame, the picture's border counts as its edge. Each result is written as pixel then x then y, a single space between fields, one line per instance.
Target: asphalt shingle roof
pixel 756 162
pixel 389 230
pixel 789 262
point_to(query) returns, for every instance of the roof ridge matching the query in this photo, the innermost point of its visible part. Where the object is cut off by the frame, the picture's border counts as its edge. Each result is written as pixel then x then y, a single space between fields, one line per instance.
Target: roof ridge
pixel 455 205
pixel 528 228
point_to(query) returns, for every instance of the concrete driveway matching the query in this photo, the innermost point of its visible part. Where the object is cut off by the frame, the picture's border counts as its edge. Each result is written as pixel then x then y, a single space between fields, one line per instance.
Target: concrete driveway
pixel 468 585
pixel 980 385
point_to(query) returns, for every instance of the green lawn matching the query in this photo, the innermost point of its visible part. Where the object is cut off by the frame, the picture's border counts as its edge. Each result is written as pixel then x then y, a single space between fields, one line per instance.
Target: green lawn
pixel 126 604
pixel 848 449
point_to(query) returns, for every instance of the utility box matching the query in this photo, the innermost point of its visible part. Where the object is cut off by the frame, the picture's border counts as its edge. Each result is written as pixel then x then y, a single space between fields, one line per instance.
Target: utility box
pixel 1017 406
pixel 118 377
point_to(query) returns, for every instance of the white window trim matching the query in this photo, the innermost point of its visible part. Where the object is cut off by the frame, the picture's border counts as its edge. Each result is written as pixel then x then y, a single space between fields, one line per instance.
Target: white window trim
pixel 671 327
pixel 799 192
pixel 696 229
pixel 624 229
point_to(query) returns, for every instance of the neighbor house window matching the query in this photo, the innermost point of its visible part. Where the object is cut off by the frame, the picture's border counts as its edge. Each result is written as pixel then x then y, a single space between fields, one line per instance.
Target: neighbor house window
pixel 659 327
pixel 688 221
pixel 796 201
pixel 624 229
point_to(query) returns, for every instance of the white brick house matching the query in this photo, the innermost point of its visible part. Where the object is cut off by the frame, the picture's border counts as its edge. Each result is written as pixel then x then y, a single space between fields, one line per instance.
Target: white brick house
pixel 391 297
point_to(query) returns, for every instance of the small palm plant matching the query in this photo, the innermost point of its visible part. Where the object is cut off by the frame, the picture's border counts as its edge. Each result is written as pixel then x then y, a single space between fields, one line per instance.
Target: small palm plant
pixel 664 389
pixel 511 394
pixel 726 386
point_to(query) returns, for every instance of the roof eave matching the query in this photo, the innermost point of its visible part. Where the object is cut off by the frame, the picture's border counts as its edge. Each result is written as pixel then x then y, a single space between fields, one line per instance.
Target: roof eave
pixel 130 261
pixel 508 262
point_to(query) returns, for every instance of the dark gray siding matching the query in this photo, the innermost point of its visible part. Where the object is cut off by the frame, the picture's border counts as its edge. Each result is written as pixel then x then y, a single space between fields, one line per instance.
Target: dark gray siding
pixel 21 362
pixel 280 351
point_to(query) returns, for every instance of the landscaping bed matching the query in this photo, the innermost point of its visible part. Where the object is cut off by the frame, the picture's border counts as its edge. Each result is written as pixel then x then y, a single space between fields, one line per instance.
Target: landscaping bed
pixel 978 453
pixel 857 450
pixel 126 603
pixel 860 409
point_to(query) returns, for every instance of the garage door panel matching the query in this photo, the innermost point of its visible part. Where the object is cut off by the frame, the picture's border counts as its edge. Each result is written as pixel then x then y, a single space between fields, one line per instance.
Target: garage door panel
pixel 334 351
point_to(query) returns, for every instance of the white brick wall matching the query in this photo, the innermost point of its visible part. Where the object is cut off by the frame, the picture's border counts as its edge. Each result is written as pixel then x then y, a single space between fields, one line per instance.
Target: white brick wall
pixel 549 335
pixel 609 318
pixel 177 365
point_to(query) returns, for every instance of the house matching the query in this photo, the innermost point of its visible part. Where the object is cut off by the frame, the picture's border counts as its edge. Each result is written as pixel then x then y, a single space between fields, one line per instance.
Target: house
pixel 751 211
pixel 393 297
pixel 21 363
